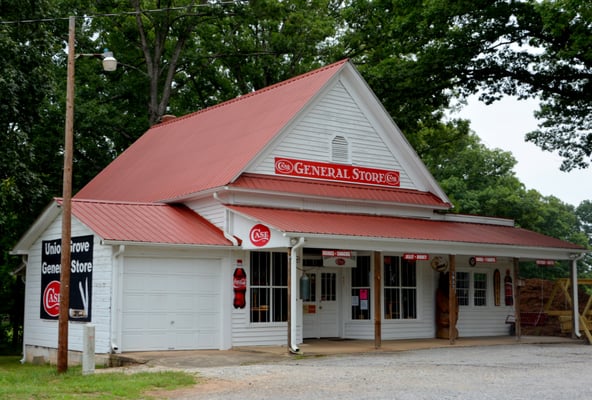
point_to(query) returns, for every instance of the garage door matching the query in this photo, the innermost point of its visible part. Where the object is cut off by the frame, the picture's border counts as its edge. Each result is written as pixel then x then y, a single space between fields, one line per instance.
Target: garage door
pixel 171 304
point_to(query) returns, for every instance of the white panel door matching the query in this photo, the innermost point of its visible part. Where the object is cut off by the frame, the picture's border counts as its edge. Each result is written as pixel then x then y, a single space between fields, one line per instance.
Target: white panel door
pixel 171 304
pixel 320 310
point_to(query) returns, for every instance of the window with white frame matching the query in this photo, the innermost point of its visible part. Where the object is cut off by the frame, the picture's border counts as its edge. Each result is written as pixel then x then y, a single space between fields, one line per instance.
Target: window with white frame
pixel 400 288
pixel 471 288
pixel 269 287
pixel 463 286
pixel 480 289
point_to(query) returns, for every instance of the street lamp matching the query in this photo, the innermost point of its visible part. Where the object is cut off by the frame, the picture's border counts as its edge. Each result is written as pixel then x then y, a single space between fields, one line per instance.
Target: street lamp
pixel 109 64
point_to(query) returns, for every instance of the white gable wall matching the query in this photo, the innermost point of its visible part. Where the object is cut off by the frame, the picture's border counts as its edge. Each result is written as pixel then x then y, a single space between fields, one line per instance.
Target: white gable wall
pixel 40 334
pixel 337 113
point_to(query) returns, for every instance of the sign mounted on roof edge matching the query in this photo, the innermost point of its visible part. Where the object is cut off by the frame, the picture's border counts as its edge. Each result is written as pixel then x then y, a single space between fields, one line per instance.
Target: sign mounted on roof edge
pixel 259 235
pixel 336 172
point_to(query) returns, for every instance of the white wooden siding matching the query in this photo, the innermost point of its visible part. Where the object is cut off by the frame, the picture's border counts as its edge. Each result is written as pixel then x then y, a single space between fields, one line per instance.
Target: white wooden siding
pixel 44 333
pixel 210 209
pixel 488 320
pixel 335 114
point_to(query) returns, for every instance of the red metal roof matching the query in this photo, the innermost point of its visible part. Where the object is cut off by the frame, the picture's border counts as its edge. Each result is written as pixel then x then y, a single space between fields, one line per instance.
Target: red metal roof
pixel 205 149
pixel 371 226
pixel 337 190
pixel 147 222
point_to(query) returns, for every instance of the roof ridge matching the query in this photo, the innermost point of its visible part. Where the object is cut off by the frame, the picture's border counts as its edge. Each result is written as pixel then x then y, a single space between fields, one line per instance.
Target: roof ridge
pixel 254 93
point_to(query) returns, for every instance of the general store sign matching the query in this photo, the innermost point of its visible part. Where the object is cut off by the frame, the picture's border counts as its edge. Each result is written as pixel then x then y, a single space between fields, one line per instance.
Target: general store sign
pixel 81 266
pixel 336 172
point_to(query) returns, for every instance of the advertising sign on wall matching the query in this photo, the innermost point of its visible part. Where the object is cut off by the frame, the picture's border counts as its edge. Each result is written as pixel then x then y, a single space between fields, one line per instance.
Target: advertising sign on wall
pixel 336 172
pixel 81 266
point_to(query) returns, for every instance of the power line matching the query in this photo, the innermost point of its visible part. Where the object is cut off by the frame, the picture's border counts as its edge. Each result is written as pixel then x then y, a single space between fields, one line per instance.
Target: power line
pixel 119 14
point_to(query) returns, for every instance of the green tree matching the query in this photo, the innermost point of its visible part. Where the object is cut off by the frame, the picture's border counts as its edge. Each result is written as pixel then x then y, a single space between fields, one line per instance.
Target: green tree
pixel 25 80
pixel 435 50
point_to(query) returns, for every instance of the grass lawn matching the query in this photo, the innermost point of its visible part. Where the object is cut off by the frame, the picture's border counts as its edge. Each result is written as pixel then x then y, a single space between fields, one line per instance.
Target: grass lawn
pixel 28 381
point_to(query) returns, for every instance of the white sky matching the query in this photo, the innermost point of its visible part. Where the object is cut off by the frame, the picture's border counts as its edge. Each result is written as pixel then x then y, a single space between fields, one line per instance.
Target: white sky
pixel 503 125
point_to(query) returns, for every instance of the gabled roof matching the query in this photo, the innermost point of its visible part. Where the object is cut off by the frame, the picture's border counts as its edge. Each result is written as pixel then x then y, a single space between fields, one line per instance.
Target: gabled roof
pixel 310 223
pixel 206 149
pixel 336 190
pixel 147 223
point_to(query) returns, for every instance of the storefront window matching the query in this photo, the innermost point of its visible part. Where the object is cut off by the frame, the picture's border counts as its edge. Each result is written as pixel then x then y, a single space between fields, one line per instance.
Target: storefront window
pixel 480 297
pixel 360 277
pixel 462 288
pixel 400 288
pixel 471 288
pixel 269 287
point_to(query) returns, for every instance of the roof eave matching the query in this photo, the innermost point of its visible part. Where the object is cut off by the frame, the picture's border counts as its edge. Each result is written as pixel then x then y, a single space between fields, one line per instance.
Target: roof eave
pixel 444 247
pixel 108 242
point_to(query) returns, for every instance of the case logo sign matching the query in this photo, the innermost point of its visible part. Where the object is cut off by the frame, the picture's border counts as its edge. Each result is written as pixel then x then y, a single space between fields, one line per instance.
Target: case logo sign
pixel 260 235
pixel 81 266
pixel 51 299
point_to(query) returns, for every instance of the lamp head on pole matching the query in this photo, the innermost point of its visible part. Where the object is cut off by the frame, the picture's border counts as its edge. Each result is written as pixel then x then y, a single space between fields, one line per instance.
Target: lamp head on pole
pixel 109 62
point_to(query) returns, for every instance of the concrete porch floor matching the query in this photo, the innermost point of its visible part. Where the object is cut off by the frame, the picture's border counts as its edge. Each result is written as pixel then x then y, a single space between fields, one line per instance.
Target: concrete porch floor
pixel 187 359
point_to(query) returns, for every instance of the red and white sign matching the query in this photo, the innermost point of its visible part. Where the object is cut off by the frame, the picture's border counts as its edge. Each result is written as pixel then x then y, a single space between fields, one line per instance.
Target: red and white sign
pixel 260 235
pixel 336 172
pixel 339 258
pixel 51 299
pixel 416 257
pixel 337 253
pixel 545 262
pixel 482 259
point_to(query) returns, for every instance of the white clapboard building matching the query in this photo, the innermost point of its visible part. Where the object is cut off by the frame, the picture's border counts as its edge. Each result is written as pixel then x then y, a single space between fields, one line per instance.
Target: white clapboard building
pixel 297 211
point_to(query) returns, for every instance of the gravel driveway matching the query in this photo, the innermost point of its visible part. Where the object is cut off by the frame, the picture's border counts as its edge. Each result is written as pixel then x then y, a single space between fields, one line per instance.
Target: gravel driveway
pixel 550 371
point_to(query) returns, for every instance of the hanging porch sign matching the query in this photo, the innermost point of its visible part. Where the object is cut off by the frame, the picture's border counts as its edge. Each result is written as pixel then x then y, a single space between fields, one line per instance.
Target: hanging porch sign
pixel 81 266
pixel 545 262
pixel 416 257
pixel 336 172
pixel 339 258
pixel 481 259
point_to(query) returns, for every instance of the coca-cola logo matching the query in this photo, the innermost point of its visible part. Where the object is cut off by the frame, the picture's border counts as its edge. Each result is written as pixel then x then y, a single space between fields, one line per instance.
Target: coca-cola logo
pixel 283 166
pixel 339 261
pixel 51 299
pixel 260 235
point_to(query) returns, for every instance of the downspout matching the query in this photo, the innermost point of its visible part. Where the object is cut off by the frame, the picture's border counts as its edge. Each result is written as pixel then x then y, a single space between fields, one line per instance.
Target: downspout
pixel 293 277
pixel 25 259
pixel 116 298
pixel 574 295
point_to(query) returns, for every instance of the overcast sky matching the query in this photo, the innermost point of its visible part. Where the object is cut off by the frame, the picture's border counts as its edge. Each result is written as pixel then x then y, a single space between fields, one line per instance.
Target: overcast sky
pixel 503 125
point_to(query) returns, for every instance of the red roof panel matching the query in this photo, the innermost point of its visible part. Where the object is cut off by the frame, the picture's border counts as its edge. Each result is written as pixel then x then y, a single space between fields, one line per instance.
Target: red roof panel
pixel 205 149
pixel 327 223
pixel 326 189
pixel 147 222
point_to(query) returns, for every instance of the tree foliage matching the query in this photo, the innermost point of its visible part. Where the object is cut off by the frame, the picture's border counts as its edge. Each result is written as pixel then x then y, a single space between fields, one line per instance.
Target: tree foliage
pixel 438 49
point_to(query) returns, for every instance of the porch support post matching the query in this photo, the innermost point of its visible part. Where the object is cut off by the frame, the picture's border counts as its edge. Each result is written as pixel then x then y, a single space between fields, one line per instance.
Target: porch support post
pixel 293 293
pixel 575 312
pixel 517 323
pixel 377 299
pixel 452 299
